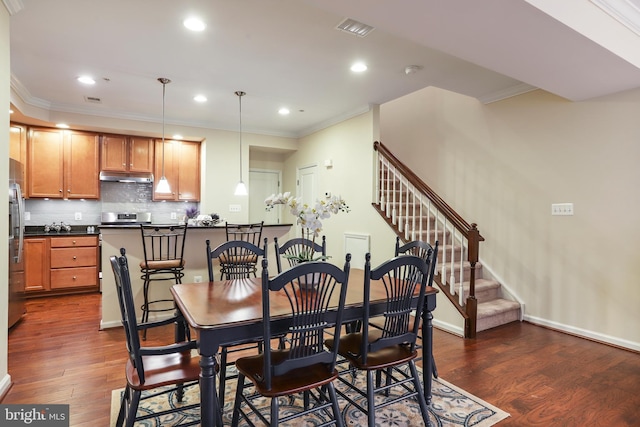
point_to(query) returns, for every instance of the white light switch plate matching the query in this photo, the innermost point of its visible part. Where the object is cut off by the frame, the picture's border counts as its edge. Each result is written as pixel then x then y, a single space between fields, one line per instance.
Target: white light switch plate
pixel 78 216
pixel 27 216
pixel 234 208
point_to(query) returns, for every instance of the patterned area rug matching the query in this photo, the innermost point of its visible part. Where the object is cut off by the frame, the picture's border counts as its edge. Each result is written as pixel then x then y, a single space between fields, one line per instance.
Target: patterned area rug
pixel 450 407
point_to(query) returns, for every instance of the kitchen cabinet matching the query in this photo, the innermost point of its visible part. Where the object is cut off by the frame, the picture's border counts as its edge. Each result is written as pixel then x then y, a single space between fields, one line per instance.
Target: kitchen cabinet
pixel 18 142
pixel 58 265
pixel 36 264
pixel 18 148
pixel 181 168
pixel 63 164
pixel 126 154
pixel 74 262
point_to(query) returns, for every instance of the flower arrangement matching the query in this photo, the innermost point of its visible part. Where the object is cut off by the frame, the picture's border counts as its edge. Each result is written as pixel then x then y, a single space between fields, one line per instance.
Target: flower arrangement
pixel 191 212
pixel 309 217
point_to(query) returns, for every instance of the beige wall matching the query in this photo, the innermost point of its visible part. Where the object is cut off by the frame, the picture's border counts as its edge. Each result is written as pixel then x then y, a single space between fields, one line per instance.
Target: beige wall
pixel 5 378
pixel 502 165
pixel 350 146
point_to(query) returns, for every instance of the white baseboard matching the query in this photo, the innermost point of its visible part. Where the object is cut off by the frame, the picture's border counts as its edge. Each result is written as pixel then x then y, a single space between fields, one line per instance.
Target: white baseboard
pixel 118 323
pixel 448 327
pixel 583 333
pixel 5 385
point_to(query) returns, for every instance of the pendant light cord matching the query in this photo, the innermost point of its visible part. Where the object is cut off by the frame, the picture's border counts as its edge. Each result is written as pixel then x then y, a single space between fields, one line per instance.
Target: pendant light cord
pixel 164 86
pixel 240 95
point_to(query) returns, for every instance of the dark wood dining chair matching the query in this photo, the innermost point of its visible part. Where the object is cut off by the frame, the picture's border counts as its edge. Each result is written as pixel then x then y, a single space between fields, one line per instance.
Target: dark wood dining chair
pixel 235 254
pixel 305 365
pixel 430 254
pixel 251 233
pixel 394 345
pixel 163 248
pixel 151 368
pixel 298 247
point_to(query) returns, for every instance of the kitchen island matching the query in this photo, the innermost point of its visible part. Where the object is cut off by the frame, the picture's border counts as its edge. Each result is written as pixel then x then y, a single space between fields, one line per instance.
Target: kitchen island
pixel 115 237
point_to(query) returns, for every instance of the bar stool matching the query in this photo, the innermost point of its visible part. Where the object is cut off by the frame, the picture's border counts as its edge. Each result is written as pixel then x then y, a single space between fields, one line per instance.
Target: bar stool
pixel 163 247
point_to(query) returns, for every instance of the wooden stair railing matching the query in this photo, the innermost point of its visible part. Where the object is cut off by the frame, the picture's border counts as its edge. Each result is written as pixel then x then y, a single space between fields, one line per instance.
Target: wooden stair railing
pixel 416 212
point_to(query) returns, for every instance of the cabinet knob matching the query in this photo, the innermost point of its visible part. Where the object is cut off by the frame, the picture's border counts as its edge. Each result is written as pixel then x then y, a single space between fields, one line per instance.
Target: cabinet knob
pixel 74 242
pixel 124 165
pixel 75 257
pixel 60 190
pixel 69 191
pixel 74 277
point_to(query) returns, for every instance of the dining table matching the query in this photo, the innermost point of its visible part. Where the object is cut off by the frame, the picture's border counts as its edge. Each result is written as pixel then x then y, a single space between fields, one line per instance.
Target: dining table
pixel 224 312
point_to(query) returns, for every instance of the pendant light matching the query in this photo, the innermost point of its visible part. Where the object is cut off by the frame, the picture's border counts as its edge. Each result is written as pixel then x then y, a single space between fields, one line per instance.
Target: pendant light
pixel 241 189
pixel 163 184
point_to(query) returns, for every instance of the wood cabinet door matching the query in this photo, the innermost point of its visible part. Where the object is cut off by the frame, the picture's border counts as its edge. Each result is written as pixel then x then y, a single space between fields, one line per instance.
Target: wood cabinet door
pixel 113 153
pixel 170 168
pixel 45 150
pixel 18 150
pixel 189 171
pixel 36 264
pixel 141 154
pixel 18 143
pixel 81 165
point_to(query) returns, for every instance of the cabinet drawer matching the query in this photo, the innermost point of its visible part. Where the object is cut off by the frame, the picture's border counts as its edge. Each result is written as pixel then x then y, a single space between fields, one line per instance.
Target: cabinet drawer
pixel 73 241
pixel 74 257
pixel 74 277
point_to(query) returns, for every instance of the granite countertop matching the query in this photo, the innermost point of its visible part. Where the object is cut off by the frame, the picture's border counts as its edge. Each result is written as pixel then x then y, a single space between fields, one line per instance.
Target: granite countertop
pixel 76 230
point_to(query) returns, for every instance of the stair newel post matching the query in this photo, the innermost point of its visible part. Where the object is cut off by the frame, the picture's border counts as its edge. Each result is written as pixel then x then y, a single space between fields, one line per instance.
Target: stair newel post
pixel 378 184
pixel 472 303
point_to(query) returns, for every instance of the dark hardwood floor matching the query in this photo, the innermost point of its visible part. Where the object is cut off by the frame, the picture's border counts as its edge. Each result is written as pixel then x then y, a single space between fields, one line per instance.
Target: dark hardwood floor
pixel 541 377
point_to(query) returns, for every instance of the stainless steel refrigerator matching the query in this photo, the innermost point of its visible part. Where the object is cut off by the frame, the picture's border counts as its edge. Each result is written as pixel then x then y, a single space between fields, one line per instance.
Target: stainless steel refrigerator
pixel 16 242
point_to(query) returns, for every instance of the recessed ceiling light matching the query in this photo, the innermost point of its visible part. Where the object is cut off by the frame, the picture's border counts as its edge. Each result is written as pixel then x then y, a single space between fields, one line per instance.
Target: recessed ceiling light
pixel 62 126
pixel 177 136
pixel 86 80
pixel 200 98
pixel 194 24
pixel 359 67
pixel 284 111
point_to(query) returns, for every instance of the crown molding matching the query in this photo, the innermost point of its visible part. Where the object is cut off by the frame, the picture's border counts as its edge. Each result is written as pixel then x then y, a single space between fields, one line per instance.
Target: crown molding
pixel 499 95
pixel 13 6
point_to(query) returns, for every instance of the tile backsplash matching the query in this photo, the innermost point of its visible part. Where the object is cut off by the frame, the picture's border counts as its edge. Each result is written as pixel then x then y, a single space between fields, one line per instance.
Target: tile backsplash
pixel 115 197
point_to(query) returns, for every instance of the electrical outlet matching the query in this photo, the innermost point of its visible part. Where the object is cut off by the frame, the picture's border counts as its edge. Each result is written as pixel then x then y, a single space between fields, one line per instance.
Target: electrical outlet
pixel 174 215
pixel 234 208
pixel 562 209
pixel 197 279
pixel 27 216
pixel 78 216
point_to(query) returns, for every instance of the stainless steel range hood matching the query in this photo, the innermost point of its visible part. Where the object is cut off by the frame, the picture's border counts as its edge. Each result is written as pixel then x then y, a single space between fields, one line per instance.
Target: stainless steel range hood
pixel 126 177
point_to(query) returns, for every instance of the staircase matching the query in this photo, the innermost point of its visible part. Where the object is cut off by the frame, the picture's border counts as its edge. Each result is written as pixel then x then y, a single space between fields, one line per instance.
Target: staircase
pixel 415 212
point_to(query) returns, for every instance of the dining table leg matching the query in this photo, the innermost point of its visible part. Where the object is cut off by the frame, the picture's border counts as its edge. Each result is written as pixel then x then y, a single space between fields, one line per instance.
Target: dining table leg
pixel 209 415
pixel 428 367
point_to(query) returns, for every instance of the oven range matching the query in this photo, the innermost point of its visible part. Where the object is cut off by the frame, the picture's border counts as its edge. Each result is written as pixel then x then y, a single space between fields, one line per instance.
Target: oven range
pixel 125 218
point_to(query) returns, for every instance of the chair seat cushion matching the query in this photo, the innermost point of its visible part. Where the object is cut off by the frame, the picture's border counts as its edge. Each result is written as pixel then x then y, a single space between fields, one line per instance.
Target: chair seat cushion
pixel 350 345
pixel 160 370
pixel 164 264
pixel 294 381
pixel 238 259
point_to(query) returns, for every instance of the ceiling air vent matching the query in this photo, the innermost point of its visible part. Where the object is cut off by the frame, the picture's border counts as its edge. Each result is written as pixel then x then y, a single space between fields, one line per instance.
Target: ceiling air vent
pixel 93 99
pixel 354 27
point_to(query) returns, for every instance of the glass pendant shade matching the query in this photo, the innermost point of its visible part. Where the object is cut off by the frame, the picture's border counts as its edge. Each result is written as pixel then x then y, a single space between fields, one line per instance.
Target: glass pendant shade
pixel 163 185
pixel 241 189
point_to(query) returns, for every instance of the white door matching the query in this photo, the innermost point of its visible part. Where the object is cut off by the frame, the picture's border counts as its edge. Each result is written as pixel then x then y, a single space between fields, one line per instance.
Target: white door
pixel 263 183
pixel 307 185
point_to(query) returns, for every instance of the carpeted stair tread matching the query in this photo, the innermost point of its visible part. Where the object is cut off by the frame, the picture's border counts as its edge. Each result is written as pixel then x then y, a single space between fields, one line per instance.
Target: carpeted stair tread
pixel 497 312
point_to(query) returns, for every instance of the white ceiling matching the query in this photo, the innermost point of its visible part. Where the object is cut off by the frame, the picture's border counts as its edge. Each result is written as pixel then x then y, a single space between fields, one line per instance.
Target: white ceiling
pixel 288 53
